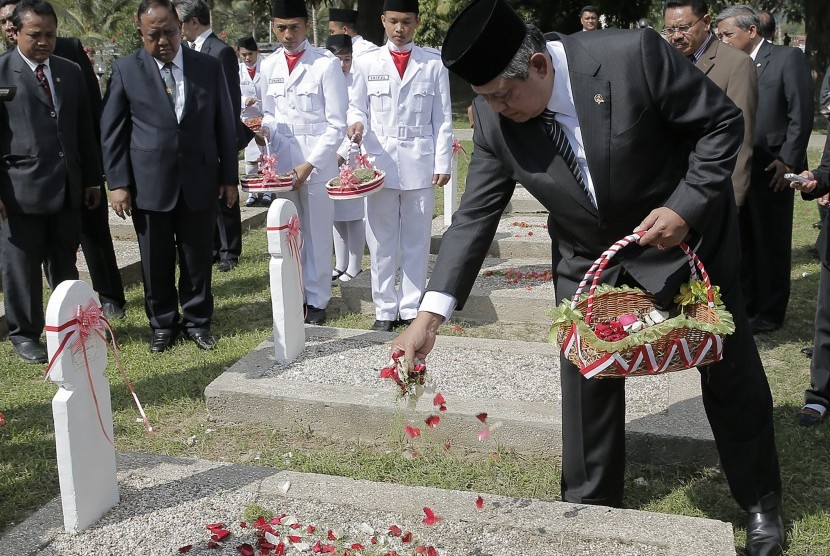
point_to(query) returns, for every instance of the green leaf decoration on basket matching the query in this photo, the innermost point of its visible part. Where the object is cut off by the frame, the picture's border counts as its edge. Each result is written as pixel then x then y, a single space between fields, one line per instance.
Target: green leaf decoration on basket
pixel 362 174
pixel 695 292
pixel 563 315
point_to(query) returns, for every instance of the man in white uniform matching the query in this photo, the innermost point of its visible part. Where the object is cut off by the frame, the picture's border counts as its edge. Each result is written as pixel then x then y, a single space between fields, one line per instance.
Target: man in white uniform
pixel 401 98
pixel 304 110
pixel 344 22
pixel 251 87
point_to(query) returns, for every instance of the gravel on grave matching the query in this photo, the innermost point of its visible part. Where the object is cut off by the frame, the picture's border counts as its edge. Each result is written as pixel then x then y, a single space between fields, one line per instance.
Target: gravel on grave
pixel 516 374
pixel 156 517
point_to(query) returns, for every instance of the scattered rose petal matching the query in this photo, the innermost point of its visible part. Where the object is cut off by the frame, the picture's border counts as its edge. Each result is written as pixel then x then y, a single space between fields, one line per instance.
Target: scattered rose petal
pixel 431 551
pixel 479 502
pixel 438 399
pixel 265 545
pixel 331 535
pixel 358 546
pixel 310 529
pixel 431 518
pixel 407 537
pixel 219 534
pixel 395 531
pixel 245 549
pixel 213 544
pixel 215 526
pixel 243 524
pixel 447 446
pixel 482 417
pixel 483 434
pixel 294 538
pixel 2 419
pixel 412 432
pixel 432 421
pixel 280 550
pixel 295 525
pixel 186 548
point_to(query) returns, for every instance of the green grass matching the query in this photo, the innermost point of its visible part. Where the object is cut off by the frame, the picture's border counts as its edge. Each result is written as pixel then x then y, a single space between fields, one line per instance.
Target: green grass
pixel 172 385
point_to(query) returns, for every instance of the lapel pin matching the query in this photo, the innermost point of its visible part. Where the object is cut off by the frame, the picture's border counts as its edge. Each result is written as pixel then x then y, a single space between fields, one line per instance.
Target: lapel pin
pixel 58 80
pixel 598 99
pixel 758 65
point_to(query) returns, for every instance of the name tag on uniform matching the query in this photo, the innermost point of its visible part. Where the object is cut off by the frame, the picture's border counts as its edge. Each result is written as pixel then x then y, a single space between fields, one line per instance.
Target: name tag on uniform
pixel 277 80
pixel 378 78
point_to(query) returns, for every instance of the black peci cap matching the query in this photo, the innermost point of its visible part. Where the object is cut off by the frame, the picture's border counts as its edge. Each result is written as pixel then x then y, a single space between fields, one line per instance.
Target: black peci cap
pixel 339 43
pixel 404 6
pixel 482 41
pixel 343 16
pixel 289 9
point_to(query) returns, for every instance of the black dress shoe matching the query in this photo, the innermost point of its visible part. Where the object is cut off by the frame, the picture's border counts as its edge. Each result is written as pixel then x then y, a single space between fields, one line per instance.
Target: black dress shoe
pixel 112 311
pixel 765 533
pixel 763 326
pixel 808 416
pixel 315 315
pixel 383 325
pixel 204 339
pixel 31 351
pixel 226 266
pixel 404 322
pixel 162 340
pixel 807 352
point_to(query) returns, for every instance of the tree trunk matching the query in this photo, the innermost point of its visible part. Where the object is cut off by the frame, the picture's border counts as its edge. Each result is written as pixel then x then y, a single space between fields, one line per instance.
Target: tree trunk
pixel 816 16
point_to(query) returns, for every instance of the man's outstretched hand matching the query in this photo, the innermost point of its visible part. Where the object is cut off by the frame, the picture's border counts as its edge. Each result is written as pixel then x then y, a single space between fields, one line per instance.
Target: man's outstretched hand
pixel 419 337
pixel 663 227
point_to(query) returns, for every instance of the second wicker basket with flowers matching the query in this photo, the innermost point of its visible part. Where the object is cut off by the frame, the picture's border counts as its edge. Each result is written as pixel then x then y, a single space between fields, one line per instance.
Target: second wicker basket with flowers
pixel 619 332
pixel 354 182
pixel 266 179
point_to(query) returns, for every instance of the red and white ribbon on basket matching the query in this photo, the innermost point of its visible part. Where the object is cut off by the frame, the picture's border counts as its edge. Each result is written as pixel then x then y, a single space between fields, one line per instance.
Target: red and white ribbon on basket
pixel 90 321
pixel 643 354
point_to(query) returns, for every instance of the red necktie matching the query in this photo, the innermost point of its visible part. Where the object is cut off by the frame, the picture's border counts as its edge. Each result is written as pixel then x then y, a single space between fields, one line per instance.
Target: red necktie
pixel 292 60
pixel 252 72
pixel 41 77
pixel 400 59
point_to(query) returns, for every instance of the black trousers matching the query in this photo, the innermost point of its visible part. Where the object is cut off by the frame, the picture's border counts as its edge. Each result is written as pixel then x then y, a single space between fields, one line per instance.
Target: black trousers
pixel 27 241
pixel 819 391
pixel 738 404
pixel 163 237
pixel 96 241
pixel 227 241
pixel 766 222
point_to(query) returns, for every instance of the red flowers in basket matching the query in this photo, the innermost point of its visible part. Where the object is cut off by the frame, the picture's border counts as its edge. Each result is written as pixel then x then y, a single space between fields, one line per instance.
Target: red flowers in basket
pixel 268 167
pixel 611 331
pixel 254 124
pixel 350 177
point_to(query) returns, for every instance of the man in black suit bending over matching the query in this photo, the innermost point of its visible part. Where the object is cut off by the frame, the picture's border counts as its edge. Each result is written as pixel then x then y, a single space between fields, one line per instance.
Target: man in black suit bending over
pixel 651 145
pixel 195 18
pixel 169 144
pixel 48 169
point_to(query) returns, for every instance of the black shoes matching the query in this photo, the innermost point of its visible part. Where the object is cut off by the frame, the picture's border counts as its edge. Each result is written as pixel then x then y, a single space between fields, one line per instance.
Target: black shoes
pixel 808 416
pixel 203 338
pixel 31 351
pixel 807 352
pixel 765 533
pixel 227 265
pixel 163 340
pixel 315 315
pixel 762 326
pixel 383 325
pixel 112 311
pixel 404 322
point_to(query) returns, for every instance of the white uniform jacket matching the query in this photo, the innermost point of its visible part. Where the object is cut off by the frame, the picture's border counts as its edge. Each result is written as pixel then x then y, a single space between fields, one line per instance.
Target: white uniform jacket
pixel 305 111
pixel 408 120
pixel 251 88
pixel 362 46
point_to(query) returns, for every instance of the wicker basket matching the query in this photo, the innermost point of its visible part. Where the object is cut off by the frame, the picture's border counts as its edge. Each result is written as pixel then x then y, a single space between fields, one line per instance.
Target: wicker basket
pixel 257 183
pixel 339 192
pixel 691 338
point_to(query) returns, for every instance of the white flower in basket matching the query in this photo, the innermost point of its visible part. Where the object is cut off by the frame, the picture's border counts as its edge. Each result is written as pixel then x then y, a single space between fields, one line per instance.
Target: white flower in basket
pixel 356 181
pixel 267 180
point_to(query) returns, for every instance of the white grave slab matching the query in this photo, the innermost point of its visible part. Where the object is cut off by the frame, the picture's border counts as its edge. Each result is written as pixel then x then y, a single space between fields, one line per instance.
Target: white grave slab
pixel 284 242
pixel 81 408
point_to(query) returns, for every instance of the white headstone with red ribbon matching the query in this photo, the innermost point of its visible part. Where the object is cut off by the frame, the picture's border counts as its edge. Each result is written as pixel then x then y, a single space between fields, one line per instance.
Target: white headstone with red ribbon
pixel 284 244
pixel 81 407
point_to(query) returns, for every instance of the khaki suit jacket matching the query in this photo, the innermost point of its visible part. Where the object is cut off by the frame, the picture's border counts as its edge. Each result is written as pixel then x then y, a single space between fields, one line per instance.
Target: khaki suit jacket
pixel 733 71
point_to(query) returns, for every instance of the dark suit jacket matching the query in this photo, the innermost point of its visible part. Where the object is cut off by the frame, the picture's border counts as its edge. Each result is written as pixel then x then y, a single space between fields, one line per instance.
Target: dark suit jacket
pixel 216 47
pixel 39 160
pixel 734 72
pixel 73 50
pixel 657 132
pixel 146 149
pixel 785 108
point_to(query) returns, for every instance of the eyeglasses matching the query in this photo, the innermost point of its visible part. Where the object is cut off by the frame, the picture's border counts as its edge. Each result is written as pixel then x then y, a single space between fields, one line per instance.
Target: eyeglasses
pixel 683 29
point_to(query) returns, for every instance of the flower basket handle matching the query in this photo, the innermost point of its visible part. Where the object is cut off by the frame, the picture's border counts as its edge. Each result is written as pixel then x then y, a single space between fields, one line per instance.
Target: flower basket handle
pixel 593 275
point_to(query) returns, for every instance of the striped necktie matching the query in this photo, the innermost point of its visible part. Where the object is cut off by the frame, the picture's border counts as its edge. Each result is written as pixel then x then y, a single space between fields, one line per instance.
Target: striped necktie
pixel 563 147
pixel 169 82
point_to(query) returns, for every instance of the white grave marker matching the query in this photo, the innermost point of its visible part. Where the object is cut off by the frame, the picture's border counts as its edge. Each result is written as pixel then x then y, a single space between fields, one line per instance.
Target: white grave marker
pixel 81 407
pixel 284 242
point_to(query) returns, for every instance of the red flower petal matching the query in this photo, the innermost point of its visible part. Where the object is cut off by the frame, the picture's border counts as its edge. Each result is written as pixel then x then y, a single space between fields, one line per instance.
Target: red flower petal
pixel 219 534
pixel 331 535
pixel 438 399
pixel 431 518
pixel 431 551
pixel 310 529
pixel 245 549
pixel 294 538
pixel 213 544
pixel 280 550
pixel 447 446
pixel 358 546
pixel 243 524
pixel 395 531
pixel 479 502
pixel 214 526
pixel 412 432
pixel 482 417
pixel 186 548
pixel 483 434
pixel 265 545
pixel 397 355
pixel 432 421
pixel 295 525
pixel 407 537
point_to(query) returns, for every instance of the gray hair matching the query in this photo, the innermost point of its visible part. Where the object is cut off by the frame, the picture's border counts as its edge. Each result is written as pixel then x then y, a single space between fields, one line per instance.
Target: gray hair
pixel 744 16
pixel 533 42
pixel 198 9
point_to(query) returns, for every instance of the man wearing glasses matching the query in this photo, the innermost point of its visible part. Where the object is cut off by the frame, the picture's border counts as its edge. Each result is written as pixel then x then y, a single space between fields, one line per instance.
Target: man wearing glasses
pixel 687 28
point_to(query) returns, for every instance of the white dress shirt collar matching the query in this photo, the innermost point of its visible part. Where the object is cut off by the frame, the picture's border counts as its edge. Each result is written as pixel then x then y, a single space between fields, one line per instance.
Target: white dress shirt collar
pixel 302 46
pixel 405 48
pixel 561 99
pixel 754 53
pixel 200 40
